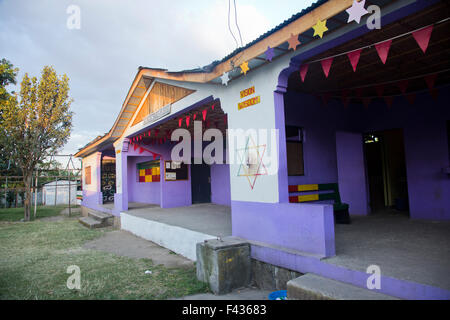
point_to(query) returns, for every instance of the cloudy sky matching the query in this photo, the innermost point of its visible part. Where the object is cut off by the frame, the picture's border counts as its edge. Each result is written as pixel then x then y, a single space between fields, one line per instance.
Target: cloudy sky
pixel 118 36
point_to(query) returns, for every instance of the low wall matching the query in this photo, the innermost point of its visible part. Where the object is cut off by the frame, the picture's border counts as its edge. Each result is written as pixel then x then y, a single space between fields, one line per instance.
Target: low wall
pixel 302 227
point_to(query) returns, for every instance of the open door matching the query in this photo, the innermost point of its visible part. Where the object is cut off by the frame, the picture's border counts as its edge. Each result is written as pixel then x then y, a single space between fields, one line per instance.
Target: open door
pixel 351 171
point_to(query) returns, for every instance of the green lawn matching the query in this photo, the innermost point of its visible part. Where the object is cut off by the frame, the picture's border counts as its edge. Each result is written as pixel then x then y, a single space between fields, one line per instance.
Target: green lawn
pixel 34 257
pixel 15 214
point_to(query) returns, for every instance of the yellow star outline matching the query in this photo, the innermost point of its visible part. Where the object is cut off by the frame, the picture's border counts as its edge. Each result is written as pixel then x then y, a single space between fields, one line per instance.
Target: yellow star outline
pixel 320 28
pixel 244 67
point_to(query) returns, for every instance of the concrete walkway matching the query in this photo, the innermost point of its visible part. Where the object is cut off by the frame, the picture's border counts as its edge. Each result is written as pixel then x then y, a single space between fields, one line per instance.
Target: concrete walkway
pixel 123 243
pixel 240 294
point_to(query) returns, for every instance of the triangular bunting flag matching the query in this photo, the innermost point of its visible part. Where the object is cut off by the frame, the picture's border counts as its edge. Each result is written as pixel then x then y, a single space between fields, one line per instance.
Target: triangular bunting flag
pixel 141 150
pixel 403 86
pixel 366 102
pixel 431 80
pixel 380 90
pixel 195 116
pixel 212 107
pixel 389 100
pixel 411 98
pixel 149 133
pixel 187 120
pixel 434 93
pixel 422 37
pixel 383 50
pixel 354 58
pixel 204 114
pixel 180 121
pixel 303 71
pixel 326 65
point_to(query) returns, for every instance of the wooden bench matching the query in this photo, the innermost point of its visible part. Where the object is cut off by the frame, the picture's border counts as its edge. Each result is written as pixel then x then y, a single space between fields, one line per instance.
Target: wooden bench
pixel 341 214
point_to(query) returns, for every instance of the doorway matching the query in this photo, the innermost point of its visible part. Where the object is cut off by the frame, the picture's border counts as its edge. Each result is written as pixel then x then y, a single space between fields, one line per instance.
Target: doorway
pixel 108 179
pixel 386 171
pixel 200 183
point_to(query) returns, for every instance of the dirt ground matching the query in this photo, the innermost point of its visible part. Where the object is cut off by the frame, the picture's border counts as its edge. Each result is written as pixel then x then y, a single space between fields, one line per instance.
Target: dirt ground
pixel 123 243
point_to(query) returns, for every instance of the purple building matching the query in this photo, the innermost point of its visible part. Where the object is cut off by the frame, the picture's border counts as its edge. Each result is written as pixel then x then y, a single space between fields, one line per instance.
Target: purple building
pixel 320 117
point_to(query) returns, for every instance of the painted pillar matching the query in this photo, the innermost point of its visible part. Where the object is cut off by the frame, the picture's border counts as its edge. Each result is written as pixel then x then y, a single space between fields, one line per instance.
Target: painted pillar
pixel 121 195
pixel 352 172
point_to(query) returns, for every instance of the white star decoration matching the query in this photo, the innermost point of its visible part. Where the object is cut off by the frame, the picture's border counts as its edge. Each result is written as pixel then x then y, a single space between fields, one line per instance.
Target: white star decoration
pixel 356 11
pixel 225 78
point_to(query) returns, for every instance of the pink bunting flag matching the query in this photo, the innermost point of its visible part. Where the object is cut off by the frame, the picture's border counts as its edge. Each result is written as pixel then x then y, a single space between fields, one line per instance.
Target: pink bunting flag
pixel 383 50
pixel 141 150
pixel 135 147
pixel 326 65
pixel 212 107
pixel 354 58
pixel 179 122
pixel 366 102
pixel 204 114
pixel 431 80
pixel 195 116
pixel 188 118
pixel 422 37
pixel 380 90
pixel 303 71
pixel 411 97
pixel 403 86
pixel 389 100
pixel 149 133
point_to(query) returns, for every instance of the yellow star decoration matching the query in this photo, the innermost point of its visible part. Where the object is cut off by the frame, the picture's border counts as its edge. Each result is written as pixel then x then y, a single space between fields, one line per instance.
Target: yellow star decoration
pixel 244 67
pixel 319 28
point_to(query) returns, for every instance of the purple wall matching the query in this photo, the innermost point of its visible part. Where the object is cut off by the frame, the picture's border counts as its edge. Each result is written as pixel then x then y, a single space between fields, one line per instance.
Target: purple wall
pixel 220 184
pixel 306 228
pixel 425 139
pixel 148 192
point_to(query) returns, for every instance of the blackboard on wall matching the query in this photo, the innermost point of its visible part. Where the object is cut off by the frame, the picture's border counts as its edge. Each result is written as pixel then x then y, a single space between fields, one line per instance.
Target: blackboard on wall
pixel 175 171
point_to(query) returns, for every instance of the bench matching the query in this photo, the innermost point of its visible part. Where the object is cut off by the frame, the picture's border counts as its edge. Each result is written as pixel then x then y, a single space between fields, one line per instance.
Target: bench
pixel 340 209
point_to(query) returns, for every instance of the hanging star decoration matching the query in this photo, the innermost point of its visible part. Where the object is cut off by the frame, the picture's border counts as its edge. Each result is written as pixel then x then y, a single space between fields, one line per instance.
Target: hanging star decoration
pixel 293 42
pixel 269 54
pixel 356 11
pixel 225 78
pixel 320 28
pixel 244 67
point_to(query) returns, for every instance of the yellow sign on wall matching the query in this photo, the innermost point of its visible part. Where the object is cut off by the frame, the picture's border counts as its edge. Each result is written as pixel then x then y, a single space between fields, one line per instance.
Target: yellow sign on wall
pixel 249 102
pixel 247 92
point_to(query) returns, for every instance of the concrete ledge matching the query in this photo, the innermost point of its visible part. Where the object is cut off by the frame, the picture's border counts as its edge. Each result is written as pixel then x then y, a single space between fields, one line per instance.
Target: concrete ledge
pixel 179 240
pixel 313 287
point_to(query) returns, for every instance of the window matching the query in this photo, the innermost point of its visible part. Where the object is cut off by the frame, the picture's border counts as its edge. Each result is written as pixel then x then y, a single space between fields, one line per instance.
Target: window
pixel 294 151
pixel 87 175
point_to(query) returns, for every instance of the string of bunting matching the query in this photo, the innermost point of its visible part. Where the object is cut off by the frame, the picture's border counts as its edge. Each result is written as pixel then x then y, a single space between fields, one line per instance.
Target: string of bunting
pixel 201 115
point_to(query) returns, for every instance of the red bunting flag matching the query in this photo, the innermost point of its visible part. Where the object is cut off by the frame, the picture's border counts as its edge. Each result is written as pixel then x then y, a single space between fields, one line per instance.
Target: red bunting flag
pixel 303 71
pixel 195 116
pixel 149 133
pixel 156 132
pixel 411 97
pixel 326 65
pixel 141 150
pixel 179 122
pixel 366 101
pixel 389 100
pixel 135 147
pixel 422 37
pixel 380 90
pixel 431 80
pixel 204 114
pixel 403 86
pixel 187 120
pixel 434 93
pixel 354 58
pixel 212 107
pixel 383 50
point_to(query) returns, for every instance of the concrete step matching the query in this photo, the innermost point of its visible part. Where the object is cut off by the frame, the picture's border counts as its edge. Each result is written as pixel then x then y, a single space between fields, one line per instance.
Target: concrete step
pixel 100 216
pixel 314 287
pixel 90 222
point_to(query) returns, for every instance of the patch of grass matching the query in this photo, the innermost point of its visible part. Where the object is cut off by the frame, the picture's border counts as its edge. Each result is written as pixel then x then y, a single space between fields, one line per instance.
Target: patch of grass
pixel 15 214
pixel 34 257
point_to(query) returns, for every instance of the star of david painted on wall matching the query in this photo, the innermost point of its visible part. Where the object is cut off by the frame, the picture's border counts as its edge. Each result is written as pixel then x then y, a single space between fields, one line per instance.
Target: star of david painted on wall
pixel 251 161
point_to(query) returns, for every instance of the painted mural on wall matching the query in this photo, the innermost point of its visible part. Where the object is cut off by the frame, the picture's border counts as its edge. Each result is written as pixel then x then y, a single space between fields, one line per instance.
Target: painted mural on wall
pixel 108 182
pixel 251 161
pixel 148 171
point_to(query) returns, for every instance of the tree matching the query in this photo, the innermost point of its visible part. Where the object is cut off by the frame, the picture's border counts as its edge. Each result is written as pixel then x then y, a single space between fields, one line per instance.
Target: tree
pixel 36 123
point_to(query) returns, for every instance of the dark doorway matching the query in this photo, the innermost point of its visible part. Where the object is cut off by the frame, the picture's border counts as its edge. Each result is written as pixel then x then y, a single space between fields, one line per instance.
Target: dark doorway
pixel 386 171
pixel 108 182
pixel 200 183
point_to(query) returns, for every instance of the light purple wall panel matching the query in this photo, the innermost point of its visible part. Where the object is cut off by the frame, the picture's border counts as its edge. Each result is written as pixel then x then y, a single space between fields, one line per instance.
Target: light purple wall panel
pixel 220 184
